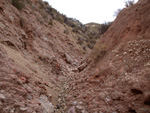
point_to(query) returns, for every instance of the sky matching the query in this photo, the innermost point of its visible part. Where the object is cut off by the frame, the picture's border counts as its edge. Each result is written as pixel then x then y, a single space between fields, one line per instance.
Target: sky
pixel 86 11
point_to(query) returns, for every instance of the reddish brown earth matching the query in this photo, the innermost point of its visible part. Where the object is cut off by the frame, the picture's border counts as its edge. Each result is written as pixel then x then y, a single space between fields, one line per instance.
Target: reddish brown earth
pixel 119 80
pixel 42 70
pixel 34 57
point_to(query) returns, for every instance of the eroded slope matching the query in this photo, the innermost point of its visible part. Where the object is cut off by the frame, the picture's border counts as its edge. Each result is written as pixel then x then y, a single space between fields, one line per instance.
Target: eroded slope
pixel 34 57
pixel 117 79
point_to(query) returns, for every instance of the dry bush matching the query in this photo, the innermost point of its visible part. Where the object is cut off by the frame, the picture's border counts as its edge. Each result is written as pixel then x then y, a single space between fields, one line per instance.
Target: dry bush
pixel 80 40
pixel 129 3
pixel 66 31
pixel 104 27
pixel 93 41
pixel 87 39
pixel 84 48
pixel 18 4
pixel 42 4
pixel 99 52
pixel 50 22
pixel 90 46
pixel 117 12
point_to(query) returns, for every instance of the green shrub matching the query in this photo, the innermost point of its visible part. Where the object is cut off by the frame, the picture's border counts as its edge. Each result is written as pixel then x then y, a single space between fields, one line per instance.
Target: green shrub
pixel 50 22
pixel 18 4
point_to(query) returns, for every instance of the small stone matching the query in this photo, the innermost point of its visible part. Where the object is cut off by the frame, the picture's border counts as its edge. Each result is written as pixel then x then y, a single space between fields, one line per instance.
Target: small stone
pixel 29 96
pixel 79 107
pixel 72 110
pixel 75 103
pixel 34 111
pixel 50 97
pixel 108 99
pixel 80 102
pixel 23 79
pixel 125 53
pixel 12 110
pixel 2 96
pixel 68 58
pixel 47 105
pixel 2 91
pixel 23 108
pixel 83 111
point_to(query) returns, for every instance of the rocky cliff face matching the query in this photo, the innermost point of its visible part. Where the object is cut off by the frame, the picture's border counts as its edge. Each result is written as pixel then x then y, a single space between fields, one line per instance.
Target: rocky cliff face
pixel 42 69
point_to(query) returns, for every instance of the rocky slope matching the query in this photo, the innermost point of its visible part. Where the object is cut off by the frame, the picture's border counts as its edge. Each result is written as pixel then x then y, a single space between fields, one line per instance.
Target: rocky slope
pixel 35 55
pixel 117 75
pixel 44 70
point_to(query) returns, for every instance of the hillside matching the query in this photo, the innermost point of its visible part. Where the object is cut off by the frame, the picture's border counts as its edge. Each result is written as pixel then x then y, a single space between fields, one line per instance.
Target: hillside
pixel 48 62
pixel 35 55
pixel 116 76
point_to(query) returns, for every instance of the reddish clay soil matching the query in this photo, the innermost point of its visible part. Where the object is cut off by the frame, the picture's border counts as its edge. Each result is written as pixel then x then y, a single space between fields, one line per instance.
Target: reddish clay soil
pixel 42 69
pixel 119 80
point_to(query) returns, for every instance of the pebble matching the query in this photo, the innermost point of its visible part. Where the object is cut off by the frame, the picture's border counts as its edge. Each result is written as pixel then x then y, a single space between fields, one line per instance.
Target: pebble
pixel 23 108
pixel 125 53
pixel 12 110
pixel 75 103
pixel 79 107
pixel 80 102
pixel 29 96
pixel 2 96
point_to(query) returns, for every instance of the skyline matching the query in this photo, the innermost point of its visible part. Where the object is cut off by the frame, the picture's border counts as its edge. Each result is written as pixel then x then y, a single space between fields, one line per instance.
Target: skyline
pixel 86 11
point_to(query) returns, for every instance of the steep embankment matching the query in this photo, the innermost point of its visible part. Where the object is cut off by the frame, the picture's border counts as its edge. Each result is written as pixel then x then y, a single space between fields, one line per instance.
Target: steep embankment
pixel 40 60
pixel 35 54
pixel 117 78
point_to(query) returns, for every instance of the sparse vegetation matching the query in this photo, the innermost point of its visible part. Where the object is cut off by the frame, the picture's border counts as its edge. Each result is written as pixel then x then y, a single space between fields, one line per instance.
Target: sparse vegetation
pixel 104 27
pixel 94 31
pixel 50 22
pixel 80 40
pixel 129 3
pixel 87 34
pixel 99 52
pixel 90 46
pixel 41 3
pixel 66 31
pixel 117 12
pixel 18 4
